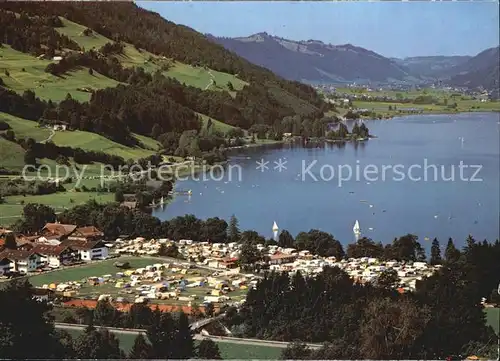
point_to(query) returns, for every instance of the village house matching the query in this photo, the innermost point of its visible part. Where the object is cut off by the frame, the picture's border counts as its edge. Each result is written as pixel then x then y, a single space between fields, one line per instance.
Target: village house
pixel 55 256
pixel 55 232
pixel 88 250
pixel 280 258
pixel 89 233
pixel 225 263
pixel 5 265
pixel 22 261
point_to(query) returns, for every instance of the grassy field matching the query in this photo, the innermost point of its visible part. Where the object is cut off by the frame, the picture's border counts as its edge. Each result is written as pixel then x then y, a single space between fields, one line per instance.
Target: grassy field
pixel 74 31
pixel 195 76
pixel 12 209
pixel 28 73
pixel 464 103
pixel 201 78
pixel 92 141
pixel 11 154
pixel 412 94
pixel 217 124
pixel 228 350
pixel 81 272
pixel 25 128
pixel 382 108
pixel 148 143
pixel 493 318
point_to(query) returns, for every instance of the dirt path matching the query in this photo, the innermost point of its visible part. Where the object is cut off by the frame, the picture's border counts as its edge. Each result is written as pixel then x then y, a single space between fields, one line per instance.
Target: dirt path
pixel 52 133
pixel 211 82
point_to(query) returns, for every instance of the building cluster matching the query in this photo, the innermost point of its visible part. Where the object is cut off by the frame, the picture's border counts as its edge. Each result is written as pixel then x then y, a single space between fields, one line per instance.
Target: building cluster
pixel 225 256
pixel 58 245
pixel 54 246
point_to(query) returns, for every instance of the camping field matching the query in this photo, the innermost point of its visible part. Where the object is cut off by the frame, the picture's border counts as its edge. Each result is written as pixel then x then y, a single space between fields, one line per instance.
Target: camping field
pixel 80 272
pixel 178 285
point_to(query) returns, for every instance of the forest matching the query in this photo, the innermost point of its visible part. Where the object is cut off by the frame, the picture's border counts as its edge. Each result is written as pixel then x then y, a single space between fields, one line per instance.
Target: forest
pixel 144 101
pixel 125 21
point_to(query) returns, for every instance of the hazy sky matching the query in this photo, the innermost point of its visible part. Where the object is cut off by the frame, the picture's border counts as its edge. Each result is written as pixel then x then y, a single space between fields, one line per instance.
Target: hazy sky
pixel 393 29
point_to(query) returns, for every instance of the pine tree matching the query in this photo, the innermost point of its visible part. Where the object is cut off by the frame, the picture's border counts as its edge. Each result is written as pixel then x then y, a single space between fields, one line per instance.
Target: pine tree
pixel 285 239
pixel 233 231
pixel 452 254
pixel 184 343
pixel 141 349
pixel 161 335
pixel 207 349
pixel 25 331
pixel 435 253
pixel 10 241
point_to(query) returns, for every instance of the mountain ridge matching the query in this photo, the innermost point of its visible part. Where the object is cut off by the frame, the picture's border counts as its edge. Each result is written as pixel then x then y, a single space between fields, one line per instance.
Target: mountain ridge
pixel 314 60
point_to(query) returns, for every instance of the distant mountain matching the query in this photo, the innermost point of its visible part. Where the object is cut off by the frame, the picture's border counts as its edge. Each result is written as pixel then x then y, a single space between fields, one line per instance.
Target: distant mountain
pixel 431 66
pixel 315 61
pixel 481 70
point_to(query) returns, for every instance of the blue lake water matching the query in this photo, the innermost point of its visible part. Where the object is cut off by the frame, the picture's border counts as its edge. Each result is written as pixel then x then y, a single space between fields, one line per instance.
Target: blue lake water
pixel 307 195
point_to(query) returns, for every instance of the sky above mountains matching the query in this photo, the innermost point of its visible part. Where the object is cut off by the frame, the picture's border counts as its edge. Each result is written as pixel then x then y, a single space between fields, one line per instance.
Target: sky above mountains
pixel 392 29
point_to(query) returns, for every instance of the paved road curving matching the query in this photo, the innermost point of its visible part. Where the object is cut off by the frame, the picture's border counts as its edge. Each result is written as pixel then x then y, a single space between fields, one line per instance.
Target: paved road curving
pixel 234 340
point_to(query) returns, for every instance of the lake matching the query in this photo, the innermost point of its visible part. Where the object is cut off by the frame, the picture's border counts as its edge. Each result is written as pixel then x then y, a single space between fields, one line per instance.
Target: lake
pixel 402 182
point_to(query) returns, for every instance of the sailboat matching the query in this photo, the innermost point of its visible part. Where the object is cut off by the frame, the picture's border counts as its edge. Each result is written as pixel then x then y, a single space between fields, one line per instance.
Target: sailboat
pixel 161 200
pixel 275 230
pixel 356 229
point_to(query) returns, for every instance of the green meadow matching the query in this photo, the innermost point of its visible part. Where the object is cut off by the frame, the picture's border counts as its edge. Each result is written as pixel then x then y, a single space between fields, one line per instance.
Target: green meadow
pixel 229 351
pixel 75 31
pixel 95 142
pixel 26 72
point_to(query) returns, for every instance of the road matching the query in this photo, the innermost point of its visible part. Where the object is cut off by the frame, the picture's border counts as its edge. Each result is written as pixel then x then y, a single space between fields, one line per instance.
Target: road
pixel 205 321
pixel 234 340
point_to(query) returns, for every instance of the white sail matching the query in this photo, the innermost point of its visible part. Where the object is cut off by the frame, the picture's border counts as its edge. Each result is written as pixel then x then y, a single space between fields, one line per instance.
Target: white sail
pixel 275 231
pixel 161 200
pixel 356 228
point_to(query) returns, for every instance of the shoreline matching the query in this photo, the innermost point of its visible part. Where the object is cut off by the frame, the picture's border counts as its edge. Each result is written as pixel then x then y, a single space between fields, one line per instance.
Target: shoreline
pixel 430 112
pixel 190 171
